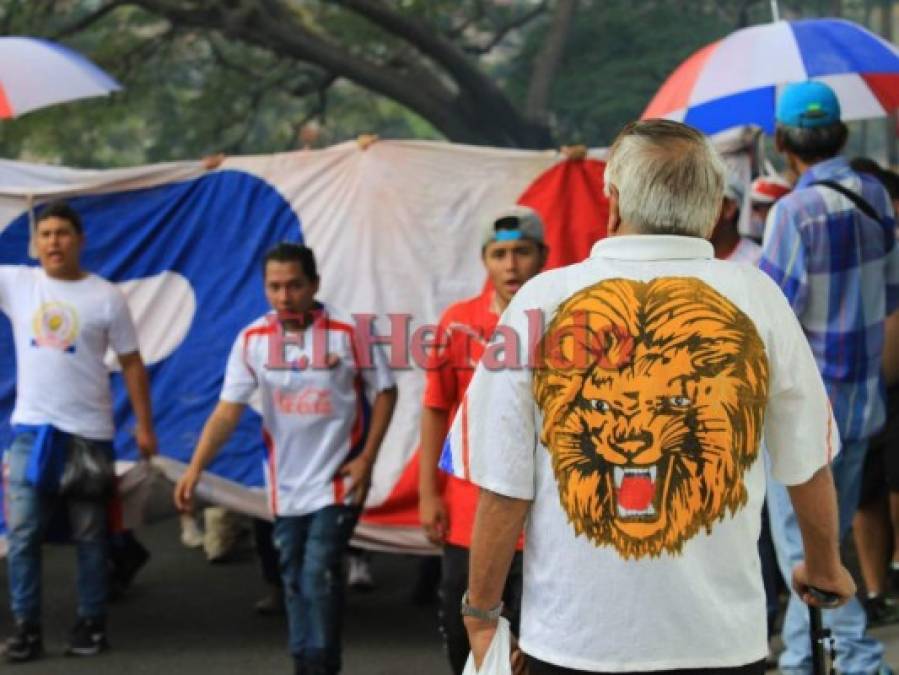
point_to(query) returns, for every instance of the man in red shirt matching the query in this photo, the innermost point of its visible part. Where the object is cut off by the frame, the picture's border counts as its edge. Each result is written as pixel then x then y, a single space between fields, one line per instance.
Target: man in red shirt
pixel 513 252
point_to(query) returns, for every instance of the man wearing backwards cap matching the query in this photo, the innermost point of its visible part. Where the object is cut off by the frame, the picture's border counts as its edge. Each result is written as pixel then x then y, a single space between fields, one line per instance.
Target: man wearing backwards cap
pixel 513 251
pixel 830 245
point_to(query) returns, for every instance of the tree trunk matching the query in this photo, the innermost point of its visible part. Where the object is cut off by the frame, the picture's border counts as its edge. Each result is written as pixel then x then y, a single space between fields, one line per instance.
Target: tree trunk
pixel 548 61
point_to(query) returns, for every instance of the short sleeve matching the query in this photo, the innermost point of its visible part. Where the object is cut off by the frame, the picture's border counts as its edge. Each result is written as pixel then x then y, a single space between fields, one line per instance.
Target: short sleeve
pixel 378 376
pixel 122 333
pixel 441 390
pixel 240 380
pixel 493 439
pixel 8 275
pixel 801 434
pixel 784 257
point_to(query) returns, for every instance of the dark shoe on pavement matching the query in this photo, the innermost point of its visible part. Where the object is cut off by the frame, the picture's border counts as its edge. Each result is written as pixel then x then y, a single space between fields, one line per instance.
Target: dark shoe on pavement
pixel 127 559
pixel 880 612
pixel 893 581
pixel 88 638
pixel 272 604
pixel 25 644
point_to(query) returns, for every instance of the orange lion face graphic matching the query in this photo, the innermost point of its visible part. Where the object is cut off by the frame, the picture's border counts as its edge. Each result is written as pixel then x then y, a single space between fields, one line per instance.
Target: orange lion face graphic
pixel 653 398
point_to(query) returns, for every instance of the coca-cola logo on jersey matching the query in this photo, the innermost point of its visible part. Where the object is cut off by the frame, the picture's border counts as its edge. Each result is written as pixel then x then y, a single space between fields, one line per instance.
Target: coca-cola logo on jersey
pixel 306 401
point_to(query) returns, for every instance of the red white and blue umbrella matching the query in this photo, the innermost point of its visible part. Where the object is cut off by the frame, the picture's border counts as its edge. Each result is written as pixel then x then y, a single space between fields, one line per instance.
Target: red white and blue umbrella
pixel 734 82
pixel 36 73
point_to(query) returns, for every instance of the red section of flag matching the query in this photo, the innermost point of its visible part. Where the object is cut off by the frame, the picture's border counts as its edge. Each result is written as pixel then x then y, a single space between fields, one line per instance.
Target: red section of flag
pixel 575 211
pixel 401 507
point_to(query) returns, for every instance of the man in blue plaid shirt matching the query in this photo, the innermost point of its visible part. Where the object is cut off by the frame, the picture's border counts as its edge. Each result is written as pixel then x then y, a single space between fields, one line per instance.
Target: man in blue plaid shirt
pixel 831 246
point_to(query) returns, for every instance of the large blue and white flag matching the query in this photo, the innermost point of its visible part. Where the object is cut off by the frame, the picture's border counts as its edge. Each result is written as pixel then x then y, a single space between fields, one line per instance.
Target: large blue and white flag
pixel 396 229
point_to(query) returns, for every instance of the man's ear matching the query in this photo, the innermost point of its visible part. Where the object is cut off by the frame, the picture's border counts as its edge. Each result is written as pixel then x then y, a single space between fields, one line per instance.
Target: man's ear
pixel 614 223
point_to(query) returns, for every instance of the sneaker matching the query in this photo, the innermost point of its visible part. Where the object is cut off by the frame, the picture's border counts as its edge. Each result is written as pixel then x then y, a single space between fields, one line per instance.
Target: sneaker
pixel 272 604
pixel 25 644
pixel 191 534
pixel 359 577
pixel 880 611
pixel 88 638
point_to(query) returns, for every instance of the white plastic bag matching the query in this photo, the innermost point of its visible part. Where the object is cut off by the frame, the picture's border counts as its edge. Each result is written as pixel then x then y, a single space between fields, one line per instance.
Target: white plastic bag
pixel 498 660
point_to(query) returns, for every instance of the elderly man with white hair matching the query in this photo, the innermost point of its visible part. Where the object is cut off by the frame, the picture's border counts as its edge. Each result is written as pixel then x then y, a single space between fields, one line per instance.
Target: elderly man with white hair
pixel 629 445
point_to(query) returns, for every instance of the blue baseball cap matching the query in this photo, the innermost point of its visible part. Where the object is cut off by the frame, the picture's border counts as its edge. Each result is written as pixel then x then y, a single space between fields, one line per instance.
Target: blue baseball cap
pixel 808 105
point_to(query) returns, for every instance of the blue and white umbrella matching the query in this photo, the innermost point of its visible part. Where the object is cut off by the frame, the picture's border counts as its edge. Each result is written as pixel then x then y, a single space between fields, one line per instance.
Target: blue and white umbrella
pixel 36 73
pixel 734 82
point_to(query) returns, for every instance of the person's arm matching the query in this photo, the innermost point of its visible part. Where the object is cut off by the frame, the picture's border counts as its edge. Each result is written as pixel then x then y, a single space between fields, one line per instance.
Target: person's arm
pixel 497 527
pixel 784 257
pixel 815 504
pixel 138 385
pixel 431 508
pixel 359 469
pixel 802 437
pixel 216 432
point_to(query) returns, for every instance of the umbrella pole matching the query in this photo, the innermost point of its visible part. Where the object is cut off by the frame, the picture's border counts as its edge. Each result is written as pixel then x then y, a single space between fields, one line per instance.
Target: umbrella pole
pixel 775 11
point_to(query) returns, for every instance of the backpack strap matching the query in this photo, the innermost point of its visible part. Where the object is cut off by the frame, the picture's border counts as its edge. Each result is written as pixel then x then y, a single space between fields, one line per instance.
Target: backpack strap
pixel 852 196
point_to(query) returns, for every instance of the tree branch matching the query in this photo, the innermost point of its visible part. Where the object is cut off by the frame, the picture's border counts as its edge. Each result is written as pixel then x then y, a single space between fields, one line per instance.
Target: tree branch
pixel 479 13
pixel 479 97
pixel 278 30
pixel 462 102
pixel 549 59
pixel 426 40
pixel 504 30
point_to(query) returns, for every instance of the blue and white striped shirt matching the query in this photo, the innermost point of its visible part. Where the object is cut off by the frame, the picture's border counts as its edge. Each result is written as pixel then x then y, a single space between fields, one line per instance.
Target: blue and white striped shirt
pixel 840 271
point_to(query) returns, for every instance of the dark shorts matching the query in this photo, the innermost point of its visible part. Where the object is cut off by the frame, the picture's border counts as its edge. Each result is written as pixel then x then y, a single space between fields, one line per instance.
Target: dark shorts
pixel 881 472
pixel 536 667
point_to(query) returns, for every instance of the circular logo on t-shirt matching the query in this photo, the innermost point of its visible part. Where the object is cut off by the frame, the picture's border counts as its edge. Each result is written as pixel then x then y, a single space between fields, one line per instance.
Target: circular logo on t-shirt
pixel 55 325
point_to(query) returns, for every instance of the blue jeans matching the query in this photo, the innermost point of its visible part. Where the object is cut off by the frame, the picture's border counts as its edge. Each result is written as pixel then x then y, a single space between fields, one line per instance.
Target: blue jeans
pixel 311 551
pixel 857 653
pixel 28 513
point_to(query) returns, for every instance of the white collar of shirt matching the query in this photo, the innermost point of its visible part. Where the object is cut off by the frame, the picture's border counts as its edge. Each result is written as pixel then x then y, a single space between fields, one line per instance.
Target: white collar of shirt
pixel 652 247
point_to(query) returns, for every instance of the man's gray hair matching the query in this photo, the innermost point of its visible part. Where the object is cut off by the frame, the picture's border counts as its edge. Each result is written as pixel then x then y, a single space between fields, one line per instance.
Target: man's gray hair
pixel 669 178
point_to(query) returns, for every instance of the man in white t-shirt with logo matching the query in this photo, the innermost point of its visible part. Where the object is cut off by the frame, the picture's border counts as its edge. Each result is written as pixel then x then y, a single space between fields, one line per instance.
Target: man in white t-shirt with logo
pixel 64 320
pixel 631 444
pixel 312 367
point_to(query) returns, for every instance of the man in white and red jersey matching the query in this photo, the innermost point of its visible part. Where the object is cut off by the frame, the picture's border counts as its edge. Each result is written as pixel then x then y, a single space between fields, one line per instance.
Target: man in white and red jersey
pixel 764 191
pixel 312 371
pixel 513 252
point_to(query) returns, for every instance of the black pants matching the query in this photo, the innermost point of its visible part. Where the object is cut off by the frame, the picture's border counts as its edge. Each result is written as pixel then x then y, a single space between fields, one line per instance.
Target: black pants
pixel 536 667
pixel 265 549
pixel 453 584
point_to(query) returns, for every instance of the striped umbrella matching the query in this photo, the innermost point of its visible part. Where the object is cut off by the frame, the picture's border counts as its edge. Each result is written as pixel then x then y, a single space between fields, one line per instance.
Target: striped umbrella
pixel 734 82
pixel 36 73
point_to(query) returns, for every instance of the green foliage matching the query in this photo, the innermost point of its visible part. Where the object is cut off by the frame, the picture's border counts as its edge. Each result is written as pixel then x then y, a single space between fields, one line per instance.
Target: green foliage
pixel 191 92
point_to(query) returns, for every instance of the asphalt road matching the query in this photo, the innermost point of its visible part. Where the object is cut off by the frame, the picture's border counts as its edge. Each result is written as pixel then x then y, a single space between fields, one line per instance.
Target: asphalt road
pixel 185 616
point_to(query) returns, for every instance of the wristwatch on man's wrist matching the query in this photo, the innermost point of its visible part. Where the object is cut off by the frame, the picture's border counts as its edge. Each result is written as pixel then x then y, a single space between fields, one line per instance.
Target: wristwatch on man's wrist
pixel 483 614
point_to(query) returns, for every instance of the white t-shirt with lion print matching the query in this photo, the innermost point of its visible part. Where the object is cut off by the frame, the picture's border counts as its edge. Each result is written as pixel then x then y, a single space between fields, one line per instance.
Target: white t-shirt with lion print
pixel 632 411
